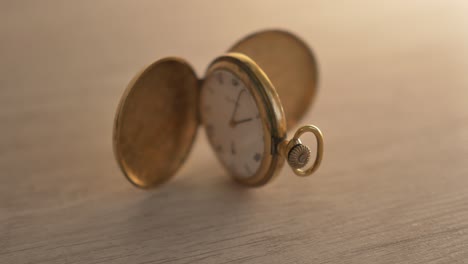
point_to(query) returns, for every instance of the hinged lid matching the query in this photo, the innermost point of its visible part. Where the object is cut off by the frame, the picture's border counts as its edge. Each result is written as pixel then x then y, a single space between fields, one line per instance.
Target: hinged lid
pixel 156 122
pixel 289 64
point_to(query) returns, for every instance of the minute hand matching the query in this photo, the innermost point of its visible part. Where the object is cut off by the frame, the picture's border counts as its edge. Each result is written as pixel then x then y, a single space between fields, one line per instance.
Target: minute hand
pixel 232 122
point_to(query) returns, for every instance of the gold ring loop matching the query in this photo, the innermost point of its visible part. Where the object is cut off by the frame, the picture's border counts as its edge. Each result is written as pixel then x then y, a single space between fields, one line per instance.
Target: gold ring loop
pixel 319 154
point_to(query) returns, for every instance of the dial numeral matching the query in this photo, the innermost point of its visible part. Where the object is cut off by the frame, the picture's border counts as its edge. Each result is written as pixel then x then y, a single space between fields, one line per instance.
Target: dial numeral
pixel 219 148
pixel 210 89
pixel 220 78
pixel 233 148
pixel 257 157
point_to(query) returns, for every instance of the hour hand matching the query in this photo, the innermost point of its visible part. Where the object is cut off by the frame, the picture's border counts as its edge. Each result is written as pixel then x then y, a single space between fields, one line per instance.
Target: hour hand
pixel 234 123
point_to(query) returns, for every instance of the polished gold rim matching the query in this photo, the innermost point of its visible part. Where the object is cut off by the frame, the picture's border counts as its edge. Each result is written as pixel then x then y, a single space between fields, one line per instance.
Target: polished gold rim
pixel 271 112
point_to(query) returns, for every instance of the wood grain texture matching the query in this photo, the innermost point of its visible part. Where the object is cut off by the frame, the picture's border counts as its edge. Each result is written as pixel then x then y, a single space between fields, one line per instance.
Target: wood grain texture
pixel 393 105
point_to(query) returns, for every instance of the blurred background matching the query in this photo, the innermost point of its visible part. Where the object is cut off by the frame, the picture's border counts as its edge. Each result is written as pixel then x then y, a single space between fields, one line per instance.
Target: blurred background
pixel 392 105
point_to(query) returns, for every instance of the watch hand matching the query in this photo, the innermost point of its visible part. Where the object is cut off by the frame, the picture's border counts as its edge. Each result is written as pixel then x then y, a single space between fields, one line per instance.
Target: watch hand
pixel 242 121
pixel 233 148
pixel 232 123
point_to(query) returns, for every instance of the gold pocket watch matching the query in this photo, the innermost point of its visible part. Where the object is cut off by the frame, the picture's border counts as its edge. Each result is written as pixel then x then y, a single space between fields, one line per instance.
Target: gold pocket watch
pixel 246 101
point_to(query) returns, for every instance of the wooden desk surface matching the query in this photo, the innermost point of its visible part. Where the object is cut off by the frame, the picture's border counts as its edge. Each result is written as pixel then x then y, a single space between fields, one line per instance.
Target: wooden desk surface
pixel 393 105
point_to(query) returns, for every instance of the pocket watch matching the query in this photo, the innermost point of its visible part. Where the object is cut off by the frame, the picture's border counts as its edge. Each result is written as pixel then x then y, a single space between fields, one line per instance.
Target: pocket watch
pixel 245 102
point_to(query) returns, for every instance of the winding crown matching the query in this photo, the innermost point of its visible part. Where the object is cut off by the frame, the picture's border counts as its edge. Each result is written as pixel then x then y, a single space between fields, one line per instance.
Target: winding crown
pixel 298 156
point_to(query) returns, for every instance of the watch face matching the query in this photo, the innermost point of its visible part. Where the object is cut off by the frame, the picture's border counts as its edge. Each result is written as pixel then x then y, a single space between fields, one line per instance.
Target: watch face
pixel 233 123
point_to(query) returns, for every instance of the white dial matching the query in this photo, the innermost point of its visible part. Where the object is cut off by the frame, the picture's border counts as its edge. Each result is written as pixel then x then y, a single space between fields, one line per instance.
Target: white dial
pixel 232 122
